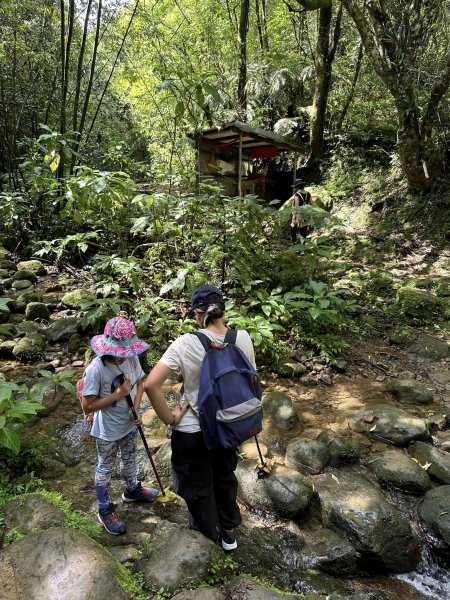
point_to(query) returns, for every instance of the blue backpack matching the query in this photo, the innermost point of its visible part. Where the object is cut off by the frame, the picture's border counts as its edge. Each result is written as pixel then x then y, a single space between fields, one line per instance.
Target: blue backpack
pixel 229 398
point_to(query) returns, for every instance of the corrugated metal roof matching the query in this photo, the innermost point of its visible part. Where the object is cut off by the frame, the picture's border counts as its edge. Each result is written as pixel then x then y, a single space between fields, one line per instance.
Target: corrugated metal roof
pixel 253 137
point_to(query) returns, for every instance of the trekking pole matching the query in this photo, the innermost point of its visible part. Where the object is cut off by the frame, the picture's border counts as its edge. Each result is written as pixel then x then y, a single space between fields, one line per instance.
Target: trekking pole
pixel 121 379
pixel 263 464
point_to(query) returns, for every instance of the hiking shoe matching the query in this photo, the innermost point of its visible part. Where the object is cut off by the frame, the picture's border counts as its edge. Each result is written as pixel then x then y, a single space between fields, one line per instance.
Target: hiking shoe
pixel 140 494
pixel 228 541
pixel 111 521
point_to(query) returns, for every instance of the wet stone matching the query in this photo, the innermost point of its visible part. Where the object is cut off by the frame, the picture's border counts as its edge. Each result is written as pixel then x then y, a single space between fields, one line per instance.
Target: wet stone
pixel 409 391
pixel 438 461
pixel 307 456
pixel 396 469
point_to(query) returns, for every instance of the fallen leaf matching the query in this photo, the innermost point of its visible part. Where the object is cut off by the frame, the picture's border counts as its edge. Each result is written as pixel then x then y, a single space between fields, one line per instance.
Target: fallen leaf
pixel 373 428
pixel 168 496
pixel 335 478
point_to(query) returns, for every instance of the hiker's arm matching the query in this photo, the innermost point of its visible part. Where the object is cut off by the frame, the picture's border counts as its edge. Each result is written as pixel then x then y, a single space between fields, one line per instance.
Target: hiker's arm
pixel 94 403
pixel 153 387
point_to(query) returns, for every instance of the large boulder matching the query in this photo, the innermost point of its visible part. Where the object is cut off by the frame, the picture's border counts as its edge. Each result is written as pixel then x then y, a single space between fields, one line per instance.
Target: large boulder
pixel 307 456
pixel 35 266
pixel 62 329
pixel 61 564
pixel 396 469
pixel 325 550
pixel 417 303
pixel 286 552
pixel 31 512
pixel 30 348
pixel 438 461
pixel 429 347
pixel 434 511
pixel 285 492
pixel 280 409
pixel 410 391
pixel 75 298
pixel 389 423
pixel 176 557
pixel 358 511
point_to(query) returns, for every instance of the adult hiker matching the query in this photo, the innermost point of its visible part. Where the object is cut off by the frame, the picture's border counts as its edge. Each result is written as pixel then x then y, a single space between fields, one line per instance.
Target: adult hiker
pixel 114 427
pixel 204 478
pixel 301 198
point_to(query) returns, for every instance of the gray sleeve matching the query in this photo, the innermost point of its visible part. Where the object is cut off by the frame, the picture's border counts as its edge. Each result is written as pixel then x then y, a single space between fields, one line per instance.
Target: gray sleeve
pixel 92 382
pixel 138 369
pixel 244 341
pixel 172 357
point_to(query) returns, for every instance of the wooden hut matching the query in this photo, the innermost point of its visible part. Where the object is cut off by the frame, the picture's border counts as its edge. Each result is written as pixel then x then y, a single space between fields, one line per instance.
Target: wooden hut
pixel 228 154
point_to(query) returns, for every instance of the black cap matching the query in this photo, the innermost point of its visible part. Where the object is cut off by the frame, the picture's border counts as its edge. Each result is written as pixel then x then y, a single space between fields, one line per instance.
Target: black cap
pixel 205 295
pixel 298 183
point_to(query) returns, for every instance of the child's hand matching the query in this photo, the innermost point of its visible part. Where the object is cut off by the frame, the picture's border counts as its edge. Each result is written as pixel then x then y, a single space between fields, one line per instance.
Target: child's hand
pixel 138 422
pixel 124 389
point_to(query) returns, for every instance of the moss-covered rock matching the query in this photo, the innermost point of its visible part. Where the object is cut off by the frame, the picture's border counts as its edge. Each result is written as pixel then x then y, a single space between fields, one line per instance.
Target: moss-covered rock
pixel 23 274
pixel 35 266
pixel 74 343
pixel 6 349
pixel 26 298
pixel 63 328
pixel 420 283
pixel 30 348
pixel 27 327
pixel 4 253
pixel 443 288
pixel 4 314
pixel 418 304
pixel 74 298
pixel 22 284
pixel 36 310
pixel 7 330
pixel 4 273
pixel 8 265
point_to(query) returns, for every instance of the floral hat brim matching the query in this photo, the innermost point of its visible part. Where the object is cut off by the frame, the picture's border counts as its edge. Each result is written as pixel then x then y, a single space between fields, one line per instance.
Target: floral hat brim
pixel 103 346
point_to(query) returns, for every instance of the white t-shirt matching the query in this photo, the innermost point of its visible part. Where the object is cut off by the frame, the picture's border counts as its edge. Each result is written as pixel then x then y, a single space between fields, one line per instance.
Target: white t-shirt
pixel 114 422
pixel 185 355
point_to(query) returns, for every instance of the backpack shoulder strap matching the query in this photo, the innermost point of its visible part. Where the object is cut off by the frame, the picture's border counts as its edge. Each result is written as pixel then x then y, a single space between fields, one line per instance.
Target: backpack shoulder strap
pixel 206 342
pixel 230 336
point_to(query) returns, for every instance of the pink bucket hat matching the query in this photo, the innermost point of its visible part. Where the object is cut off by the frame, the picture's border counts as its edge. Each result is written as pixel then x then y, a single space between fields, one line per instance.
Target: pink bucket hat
pixel 118 339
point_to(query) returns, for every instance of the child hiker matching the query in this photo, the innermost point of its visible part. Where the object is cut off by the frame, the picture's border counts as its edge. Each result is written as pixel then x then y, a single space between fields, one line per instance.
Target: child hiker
pixel 114 429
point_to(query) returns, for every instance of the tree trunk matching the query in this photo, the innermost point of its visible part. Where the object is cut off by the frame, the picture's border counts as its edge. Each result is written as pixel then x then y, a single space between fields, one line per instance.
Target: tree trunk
pixel 242 69
pixel 323 64
pixel 416 152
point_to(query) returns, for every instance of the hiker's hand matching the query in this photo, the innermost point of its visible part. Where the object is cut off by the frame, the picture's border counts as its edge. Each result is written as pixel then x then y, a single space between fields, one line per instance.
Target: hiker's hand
pixel 179 413
pixel 124 389
pixel 138 422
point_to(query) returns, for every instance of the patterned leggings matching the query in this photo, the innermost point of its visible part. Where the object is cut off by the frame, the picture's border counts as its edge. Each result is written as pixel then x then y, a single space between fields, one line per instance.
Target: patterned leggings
pixel 107 453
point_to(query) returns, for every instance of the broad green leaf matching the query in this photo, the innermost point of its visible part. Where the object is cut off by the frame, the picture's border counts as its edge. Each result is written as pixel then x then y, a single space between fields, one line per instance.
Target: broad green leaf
pixel 10 439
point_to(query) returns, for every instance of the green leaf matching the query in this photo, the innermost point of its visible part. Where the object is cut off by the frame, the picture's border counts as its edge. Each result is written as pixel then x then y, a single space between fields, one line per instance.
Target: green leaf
pixel 2 421
pixel 55 162
pixel 10 439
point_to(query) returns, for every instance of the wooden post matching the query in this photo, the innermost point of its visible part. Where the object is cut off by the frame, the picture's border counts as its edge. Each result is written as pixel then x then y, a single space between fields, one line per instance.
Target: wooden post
pixel 197 165
pixel 240 166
